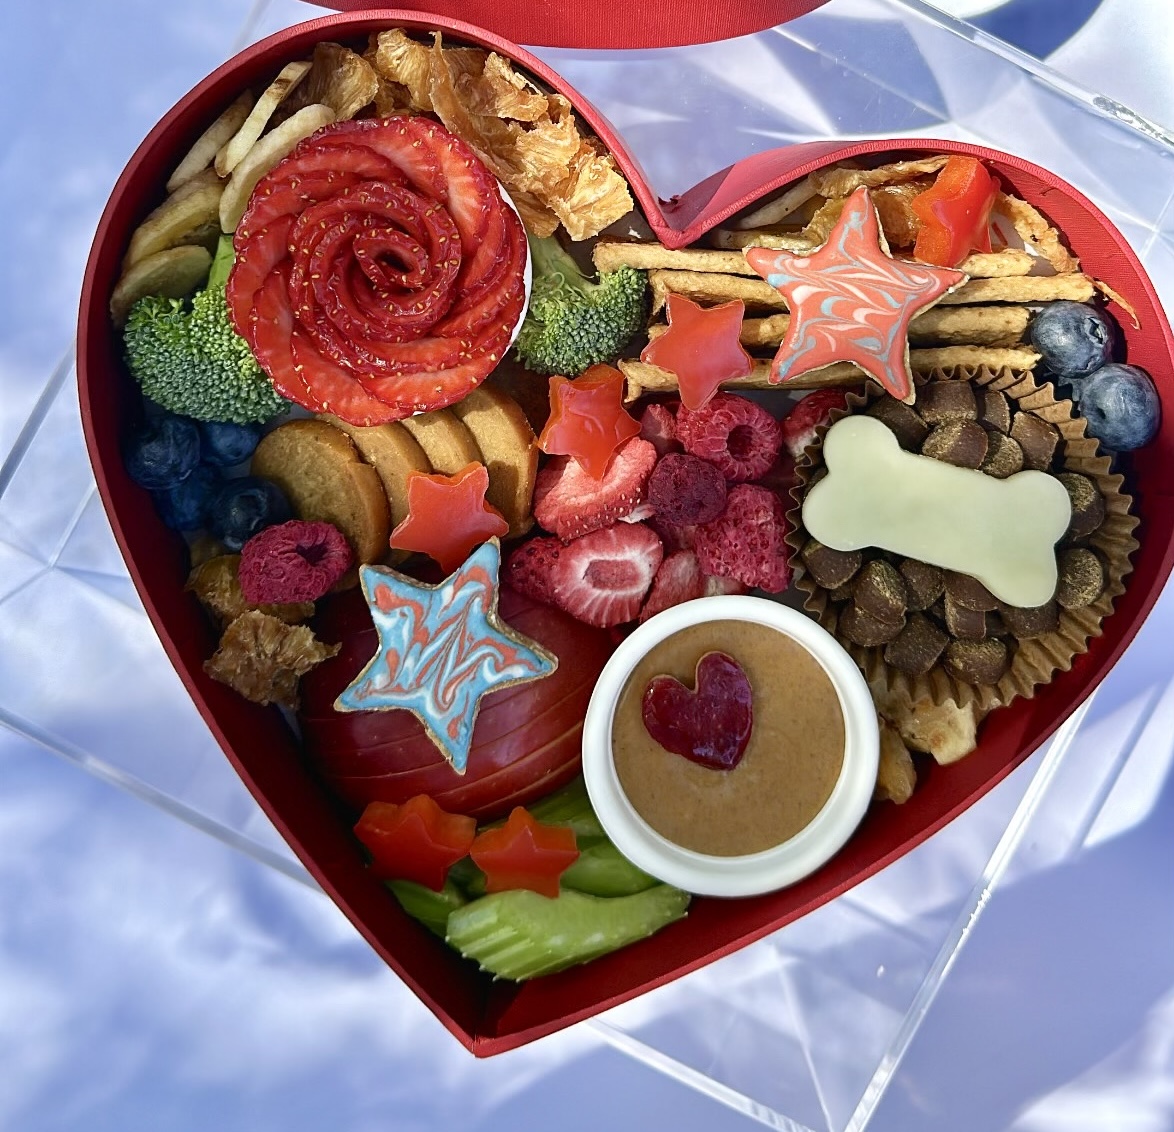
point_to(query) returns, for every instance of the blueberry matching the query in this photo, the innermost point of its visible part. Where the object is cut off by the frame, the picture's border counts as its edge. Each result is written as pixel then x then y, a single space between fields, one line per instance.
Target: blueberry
pixel 1073 338
pixel 224 444
pixel 244 506
pixel 162 452
pixel 1121 406
pixel 185 507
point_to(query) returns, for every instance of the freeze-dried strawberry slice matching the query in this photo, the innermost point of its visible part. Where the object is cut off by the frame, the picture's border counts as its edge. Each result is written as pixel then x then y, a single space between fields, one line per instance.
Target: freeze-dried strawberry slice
pixel 270 332
pixel 679 579
pixel 737 435
pixel 685 490
pixel 747 541
pixel 570 502
pixel 807 415
pixel 335 389
pixel 602 578
pixel 251 268
pixel 659 427
pixel 530 568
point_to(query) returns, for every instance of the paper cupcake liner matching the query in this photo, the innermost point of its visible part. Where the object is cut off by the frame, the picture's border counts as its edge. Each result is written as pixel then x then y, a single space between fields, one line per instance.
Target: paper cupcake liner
pixel 1035 662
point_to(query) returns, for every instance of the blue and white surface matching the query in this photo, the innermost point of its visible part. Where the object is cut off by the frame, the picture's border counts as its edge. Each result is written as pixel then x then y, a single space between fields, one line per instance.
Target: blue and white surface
pixel 164 963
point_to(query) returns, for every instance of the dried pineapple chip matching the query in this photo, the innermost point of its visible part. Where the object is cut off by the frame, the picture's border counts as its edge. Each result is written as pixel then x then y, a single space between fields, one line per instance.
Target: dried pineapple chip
pixel 338 78
pixel 594 197
pixel 400 59
pixel 841 182
pixel 216 584
pixel 263 658
pixel 504 92
pixel 1037 233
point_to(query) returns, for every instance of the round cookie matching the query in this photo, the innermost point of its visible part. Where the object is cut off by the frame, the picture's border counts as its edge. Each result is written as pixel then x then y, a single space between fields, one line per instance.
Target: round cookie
pixel 447 443
pixel 324 478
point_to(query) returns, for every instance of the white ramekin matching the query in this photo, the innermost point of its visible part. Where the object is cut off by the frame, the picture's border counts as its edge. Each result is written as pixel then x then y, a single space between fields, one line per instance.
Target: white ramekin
pixel 752 873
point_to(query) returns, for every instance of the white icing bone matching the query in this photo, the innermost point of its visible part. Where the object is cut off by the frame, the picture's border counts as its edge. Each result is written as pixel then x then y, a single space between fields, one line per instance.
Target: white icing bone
pixel 1002 532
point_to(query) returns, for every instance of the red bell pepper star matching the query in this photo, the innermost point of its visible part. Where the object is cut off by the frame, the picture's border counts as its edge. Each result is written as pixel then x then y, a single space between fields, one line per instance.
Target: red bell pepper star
pixel 415 841
pixel 524 853
pixel 701 347
pixel 955 212
pixel 588 420
pixel 851 301
pixel 448 516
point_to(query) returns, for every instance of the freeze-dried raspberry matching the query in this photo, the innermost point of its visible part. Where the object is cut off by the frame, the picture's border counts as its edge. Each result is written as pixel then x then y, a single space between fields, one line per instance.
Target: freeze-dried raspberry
pixel 686 489
pixel 746 542
pixel 294 561
pixel 739 437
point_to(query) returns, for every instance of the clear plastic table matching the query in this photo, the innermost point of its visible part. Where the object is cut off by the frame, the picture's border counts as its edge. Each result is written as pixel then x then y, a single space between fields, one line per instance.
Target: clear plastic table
pixel 808 1028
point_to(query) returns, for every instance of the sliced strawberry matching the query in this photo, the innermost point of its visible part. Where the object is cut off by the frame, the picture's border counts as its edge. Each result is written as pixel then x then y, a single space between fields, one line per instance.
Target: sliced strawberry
pixel 469 317
pixel 800 424
pixel 392 138
pixel 570 503
pixel 530 568
pixel 721 587
pixel 602 578
pixel 335 389
pixel 469 186
pixel 253 263
pixel 679 579
pixel 659 427
pixel 271 326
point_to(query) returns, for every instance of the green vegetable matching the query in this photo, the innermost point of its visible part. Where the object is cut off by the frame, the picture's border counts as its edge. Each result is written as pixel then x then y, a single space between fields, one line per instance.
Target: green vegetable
pixel 602 870
pixel 519 934
pixel 568 806
pixel 431 908
pixel 187 357
pixel 573 323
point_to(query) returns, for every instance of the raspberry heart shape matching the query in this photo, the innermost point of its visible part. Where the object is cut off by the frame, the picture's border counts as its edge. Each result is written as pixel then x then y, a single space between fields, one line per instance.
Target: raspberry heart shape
pixel 709 724
pixel 490 1017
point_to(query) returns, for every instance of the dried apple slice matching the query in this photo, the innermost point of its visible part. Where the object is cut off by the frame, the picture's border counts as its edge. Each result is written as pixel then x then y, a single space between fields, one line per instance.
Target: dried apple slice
pixel 173 272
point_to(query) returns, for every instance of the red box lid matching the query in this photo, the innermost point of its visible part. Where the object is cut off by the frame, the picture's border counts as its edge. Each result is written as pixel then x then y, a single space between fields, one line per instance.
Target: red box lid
pixel 616 24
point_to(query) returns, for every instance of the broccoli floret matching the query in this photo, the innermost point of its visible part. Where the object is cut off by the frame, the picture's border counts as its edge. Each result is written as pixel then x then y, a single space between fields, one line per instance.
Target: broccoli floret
pixel 573 323
pixel 188 358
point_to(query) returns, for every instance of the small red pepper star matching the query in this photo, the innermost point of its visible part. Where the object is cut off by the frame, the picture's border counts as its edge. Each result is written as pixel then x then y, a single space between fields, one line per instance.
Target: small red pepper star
pixel 701 347
pixel 415 841
pixel 955 212
pixel 524 853
pixel 588 420
pixel 448 516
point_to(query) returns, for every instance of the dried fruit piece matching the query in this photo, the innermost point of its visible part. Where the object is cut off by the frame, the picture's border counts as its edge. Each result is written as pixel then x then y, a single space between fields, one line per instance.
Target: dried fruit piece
pixel 800 424
pixel 709 725
pixel 530 568
pixel 741 438
pixel 747 541
pixel 658 426
pixel 602 578
pixel 679 579
pixel 571 503
pixel 293 562
pixel 262 658
pixel 684 490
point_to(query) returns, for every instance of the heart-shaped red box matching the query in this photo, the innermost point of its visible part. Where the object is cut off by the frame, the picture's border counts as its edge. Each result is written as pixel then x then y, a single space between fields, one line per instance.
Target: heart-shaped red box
pixel 491 1017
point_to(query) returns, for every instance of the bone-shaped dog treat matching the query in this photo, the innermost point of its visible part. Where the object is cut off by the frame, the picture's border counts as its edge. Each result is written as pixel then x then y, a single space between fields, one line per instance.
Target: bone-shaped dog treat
pixel 1002 532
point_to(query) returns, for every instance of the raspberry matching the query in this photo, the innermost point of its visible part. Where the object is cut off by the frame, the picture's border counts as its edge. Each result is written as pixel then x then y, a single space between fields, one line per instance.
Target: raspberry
pixel 807 415
pixel 746 542
pixel 294 561
pixel 686 489
pixel 529 568
pixel 737 436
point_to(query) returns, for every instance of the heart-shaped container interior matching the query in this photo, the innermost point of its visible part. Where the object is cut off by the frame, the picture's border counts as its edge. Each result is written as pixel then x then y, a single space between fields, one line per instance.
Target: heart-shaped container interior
pixel 492 1017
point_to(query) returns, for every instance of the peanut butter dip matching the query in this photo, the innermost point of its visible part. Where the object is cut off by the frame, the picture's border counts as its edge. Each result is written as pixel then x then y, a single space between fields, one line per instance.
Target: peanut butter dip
pixel 790 765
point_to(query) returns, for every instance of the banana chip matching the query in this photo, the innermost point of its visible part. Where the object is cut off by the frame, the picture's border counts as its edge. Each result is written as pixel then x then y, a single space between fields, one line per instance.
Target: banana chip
pixel 185 218
pixel 174 272
pixel 233 152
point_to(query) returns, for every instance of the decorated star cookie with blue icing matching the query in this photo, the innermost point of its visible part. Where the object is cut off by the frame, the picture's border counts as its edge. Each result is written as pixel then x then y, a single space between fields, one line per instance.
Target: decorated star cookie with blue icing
pixel 441 648
pixel 851 301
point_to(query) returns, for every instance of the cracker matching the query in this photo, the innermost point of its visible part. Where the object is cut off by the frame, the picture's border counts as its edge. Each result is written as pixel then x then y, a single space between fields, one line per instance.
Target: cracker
pixel 1022 289
pixel 1036 232
pixel 1017 358
pixel 611 254
pixel 994 265
pixel 841 182
pixel 712 287
pixel 779 241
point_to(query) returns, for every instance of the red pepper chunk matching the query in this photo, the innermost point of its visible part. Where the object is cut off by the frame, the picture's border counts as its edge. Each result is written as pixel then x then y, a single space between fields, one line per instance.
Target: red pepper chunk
pixel 955 213
pixel 524 853
pixel 415 841
pixel 588 420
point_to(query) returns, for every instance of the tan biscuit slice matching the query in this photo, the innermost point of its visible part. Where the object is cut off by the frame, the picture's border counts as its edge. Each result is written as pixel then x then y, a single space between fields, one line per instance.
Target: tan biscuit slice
pixel 394 454
pixel 507 446
pixel 446 441
pixel 322 474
